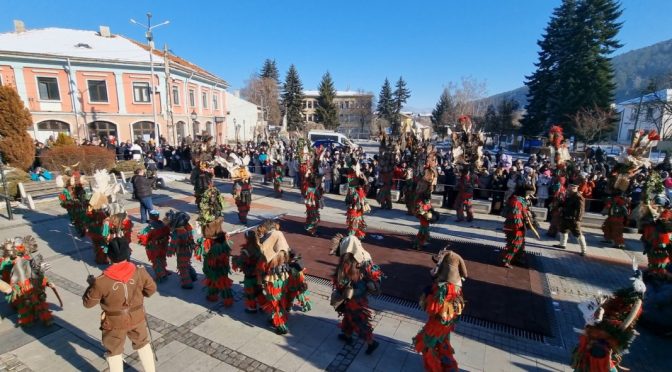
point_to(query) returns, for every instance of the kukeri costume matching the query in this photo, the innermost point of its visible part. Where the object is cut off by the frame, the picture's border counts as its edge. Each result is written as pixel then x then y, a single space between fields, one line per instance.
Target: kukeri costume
pixel 465 194
pixel 154 237
pixel 73 197
pixel 515 226
pixel 248 262
pixel 278 174
pixel 356 209
pixel 313 202
pixel 617 212
pixel 356 276
pixel 444 303
pixel 182 245
pixel 387 159
pixel 242 188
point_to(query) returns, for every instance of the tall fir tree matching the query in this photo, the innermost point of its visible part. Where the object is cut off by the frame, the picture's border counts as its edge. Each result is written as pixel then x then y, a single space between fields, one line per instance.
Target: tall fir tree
pixel 327 112
pixel 292 100
pixel 385 105
pixel 444 113
pixel 401 95
pixel 574 71
pixel 270 70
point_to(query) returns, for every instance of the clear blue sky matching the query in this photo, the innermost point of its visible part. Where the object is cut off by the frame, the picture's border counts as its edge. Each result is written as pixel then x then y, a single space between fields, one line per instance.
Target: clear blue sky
pixel 429 43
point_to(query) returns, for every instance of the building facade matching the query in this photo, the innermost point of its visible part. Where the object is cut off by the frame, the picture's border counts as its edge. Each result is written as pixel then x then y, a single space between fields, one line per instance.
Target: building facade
pixel 94 84
pixel 651 111
pixel 355 111
pixel 244 119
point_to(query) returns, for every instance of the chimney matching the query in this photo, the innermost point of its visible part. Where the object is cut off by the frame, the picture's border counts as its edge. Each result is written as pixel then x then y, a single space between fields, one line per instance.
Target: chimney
pixel 19 26
pixel 105 31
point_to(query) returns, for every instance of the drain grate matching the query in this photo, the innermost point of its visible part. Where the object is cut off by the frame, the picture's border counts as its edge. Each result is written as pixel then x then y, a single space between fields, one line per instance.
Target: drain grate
pixel 413 305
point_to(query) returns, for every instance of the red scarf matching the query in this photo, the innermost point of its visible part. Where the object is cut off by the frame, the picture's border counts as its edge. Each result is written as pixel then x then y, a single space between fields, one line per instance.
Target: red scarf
pixel 122 271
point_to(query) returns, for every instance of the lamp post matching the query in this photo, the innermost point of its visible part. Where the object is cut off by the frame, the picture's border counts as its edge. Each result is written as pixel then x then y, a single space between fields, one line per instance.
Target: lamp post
pixel 237 128
pixel 194 116
pixel 150 41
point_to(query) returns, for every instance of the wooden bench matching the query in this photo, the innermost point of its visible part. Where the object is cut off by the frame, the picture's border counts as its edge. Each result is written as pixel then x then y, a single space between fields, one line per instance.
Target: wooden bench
pixel 481 206
pixel 30 191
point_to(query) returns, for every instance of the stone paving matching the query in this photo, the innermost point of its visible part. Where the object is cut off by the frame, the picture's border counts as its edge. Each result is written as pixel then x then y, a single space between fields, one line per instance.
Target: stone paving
pixel 191 334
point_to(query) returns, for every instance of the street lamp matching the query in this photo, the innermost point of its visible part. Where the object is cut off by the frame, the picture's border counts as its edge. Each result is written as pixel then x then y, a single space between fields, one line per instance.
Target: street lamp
pixel 150 41
pixel 194 116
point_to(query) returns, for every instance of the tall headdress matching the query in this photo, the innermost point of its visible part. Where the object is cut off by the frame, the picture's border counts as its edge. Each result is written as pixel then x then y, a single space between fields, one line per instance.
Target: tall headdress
pixel 467 144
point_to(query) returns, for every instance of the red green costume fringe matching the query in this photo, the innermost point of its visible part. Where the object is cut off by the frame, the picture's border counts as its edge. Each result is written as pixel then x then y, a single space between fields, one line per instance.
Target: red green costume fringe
pixel 465 188
pixel 31 302
pixel 601 345
pixel 275 289
pixel 297 290
pixel 242 203
pixel 356 312
pixel 303 177
pixel 657 248
pixel 355 214
pixel 422 206
pixel 312 203
pixel 98 230
pixel 613 226
pixel 278 172
pixel 182 245
pixel 514 228
pixel 155 238
pixel 75 208
pixel 384 196
pixel 215 255
pixel 352 181
pixel 443 304
pixel 248 263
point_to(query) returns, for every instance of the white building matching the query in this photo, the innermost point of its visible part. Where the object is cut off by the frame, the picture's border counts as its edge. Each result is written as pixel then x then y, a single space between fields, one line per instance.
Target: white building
pixel 243 119
pixel 645 113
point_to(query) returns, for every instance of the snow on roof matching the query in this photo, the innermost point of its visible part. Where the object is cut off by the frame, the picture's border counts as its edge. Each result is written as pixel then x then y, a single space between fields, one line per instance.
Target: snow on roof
pixel 86 44
pixel 72 43
pixel 339 93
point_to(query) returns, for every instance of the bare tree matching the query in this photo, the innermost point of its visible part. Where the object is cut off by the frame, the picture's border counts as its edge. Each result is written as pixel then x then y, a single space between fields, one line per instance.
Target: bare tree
pixel 661 113
pixel 591 125
pixel 468 96
pixel 363 111
pixel 264 93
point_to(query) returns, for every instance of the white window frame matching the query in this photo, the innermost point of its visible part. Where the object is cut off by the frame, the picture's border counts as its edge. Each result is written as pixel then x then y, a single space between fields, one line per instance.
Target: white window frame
pixel 192 97
pixel 58 88
pixel 149 92
pixel 204 99
pixel 215 101
pixel 107 95
pixel 175 89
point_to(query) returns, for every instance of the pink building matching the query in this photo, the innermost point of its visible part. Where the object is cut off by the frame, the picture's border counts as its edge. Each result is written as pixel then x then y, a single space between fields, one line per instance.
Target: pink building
pixel 92 84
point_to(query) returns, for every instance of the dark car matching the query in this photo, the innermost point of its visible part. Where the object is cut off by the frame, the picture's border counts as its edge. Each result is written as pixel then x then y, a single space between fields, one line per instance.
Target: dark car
pixel 328 144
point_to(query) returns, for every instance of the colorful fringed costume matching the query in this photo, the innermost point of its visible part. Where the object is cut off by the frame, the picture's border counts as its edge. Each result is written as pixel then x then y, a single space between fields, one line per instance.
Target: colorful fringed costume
pixel 423 211
pixel 182 245
pixel 610 329
pixel 657 243
pixel 313 203
pixel 242 194
pixel 514 228
pixel 98 230
pixel 215 253
pixel 73 200
pixel 558 195
pixel 356 277
pixel 278 173
pixel 27 284
pixel 248 263
pixel 444 303
pixel 617 217
pixel 465 194
pixel 154 237
pixel 355 213
pixel 297 287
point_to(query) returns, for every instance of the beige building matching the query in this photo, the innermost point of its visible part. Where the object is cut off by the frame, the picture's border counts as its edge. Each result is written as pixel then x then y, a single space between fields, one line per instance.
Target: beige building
pixel 355 111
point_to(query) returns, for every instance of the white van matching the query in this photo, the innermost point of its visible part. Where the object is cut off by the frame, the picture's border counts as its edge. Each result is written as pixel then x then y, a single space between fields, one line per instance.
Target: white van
pixel 327 135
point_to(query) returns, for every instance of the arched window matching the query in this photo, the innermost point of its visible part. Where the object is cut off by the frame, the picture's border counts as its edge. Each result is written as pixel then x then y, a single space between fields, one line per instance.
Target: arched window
pixel 51 128
pixel 197 128
pixel 181 131
pixel 102 129
pixel 143 130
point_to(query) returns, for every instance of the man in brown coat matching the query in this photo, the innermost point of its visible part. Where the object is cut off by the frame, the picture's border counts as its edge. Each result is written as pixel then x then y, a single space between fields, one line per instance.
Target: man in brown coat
pixel 572 214
pixel 120 291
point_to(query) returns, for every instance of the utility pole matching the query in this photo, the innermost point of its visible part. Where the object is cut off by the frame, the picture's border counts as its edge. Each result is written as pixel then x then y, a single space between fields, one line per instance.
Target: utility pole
pixel 169 98
pixel 150 41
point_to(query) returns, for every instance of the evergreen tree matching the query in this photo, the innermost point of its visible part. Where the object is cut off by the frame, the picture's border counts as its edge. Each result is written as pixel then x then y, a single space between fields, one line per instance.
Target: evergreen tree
pixel 270 71
pixel 385 106
pixel 327 112
pixel 292 100
pixel 574 70
pixel 16 146
pixel 444 113
pixel 401 95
